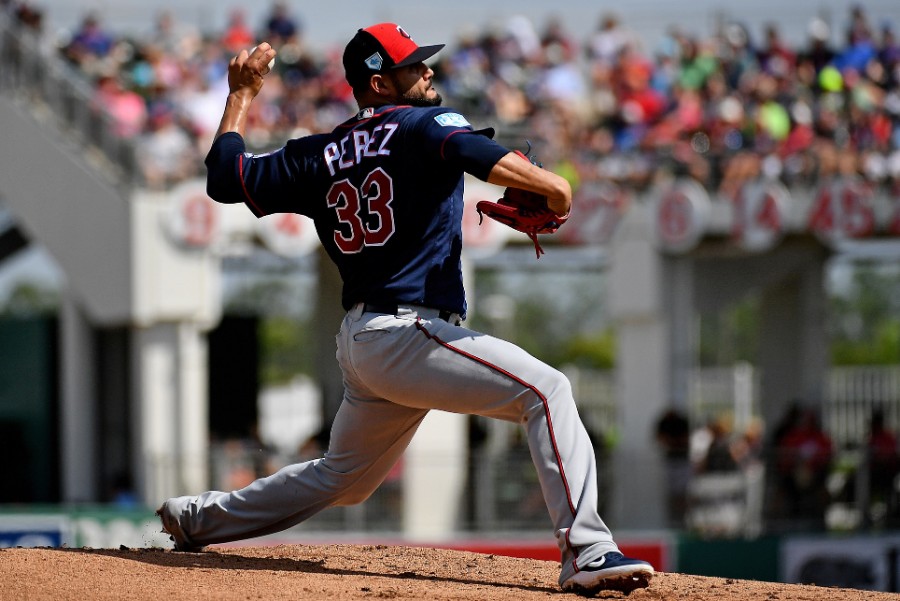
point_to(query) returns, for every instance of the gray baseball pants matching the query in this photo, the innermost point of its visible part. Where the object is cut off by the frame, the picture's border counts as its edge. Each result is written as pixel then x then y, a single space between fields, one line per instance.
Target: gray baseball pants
pixel 396 368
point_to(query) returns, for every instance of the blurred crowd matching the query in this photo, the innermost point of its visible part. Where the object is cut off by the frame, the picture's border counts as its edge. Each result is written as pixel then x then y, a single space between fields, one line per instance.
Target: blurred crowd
pixel 724 480
pixel 723 108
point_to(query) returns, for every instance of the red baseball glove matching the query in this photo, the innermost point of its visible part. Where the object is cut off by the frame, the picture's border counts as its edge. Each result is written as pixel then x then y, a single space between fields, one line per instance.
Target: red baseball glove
pixel 523 211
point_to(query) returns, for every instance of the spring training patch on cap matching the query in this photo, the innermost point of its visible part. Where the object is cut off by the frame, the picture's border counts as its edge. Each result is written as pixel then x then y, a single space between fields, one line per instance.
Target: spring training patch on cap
pixel 375 62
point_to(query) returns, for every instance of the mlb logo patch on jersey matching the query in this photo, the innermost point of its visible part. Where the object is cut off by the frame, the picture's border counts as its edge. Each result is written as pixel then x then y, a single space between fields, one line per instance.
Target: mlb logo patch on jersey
pixel 374 62
pixel 452 119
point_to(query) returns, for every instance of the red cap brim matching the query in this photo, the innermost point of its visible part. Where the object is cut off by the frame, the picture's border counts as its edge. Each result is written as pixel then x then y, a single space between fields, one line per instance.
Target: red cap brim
pixel 419 55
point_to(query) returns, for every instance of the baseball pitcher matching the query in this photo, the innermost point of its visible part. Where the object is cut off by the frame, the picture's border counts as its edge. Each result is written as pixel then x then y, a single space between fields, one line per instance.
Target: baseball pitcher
pixel 385 192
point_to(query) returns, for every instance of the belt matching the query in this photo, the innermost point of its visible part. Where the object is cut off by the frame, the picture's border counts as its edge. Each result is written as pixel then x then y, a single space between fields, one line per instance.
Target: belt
pixel 448 316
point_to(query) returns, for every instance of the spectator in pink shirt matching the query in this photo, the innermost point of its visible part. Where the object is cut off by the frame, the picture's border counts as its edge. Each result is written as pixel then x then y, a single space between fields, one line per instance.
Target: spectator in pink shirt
pixel 126 108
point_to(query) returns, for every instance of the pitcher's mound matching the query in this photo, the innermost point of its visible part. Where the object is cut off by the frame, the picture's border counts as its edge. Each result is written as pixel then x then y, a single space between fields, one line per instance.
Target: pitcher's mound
pixel 341 573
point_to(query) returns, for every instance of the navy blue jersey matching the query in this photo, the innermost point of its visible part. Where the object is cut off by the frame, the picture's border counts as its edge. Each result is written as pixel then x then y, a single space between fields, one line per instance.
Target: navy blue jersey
pixel 385 192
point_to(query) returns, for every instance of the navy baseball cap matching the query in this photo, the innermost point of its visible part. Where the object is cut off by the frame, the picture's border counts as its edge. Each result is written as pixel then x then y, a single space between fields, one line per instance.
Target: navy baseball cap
pixel 382 47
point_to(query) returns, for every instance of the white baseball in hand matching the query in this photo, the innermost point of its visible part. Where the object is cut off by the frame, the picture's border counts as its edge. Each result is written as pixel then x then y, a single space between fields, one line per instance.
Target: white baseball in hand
pixel 271 62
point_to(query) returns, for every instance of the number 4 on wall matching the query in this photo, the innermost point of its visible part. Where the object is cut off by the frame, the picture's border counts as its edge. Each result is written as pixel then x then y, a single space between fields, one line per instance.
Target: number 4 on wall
pixel 758 214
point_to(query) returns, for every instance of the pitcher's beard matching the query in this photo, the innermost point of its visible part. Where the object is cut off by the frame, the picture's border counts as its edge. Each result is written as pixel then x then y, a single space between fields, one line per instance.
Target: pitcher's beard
pixel 422 101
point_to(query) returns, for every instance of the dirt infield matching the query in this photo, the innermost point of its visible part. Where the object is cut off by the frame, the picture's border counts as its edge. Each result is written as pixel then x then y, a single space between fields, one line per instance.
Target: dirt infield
pixel 340 573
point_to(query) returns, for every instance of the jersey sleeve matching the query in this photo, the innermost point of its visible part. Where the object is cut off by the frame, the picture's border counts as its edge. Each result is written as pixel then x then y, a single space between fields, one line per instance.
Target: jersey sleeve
pixel 267 183
pixel 473 153
pixel 220 161
pixel 457 142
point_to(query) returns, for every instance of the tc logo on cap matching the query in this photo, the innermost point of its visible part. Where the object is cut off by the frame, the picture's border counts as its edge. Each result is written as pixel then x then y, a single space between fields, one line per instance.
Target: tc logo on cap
pixel 375 62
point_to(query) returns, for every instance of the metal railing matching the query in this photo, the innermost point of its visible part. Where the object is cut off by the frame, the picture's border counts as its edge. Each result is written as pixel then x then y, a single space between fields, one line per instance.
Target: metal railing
pixel 853 394
pixel 33 76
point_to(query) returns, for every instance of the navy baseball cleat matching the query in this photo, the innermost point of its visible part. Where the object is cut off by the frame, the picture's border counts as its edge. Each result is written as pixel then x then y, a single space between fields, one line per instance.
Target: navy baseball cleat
pixel 173 529
pixel 612 572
